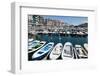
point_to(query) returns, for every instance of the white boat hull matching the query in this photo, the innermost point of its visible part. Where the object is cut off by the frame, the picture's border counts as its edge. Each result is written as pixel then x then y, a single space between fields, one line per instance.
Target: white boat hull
pixel 56 52
pixel 67 52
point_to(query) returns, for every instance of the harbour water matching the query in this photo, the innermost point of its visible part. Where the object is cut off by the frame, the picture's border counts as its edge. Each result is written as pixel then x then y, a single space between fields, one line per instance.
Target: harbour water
pixel 56 38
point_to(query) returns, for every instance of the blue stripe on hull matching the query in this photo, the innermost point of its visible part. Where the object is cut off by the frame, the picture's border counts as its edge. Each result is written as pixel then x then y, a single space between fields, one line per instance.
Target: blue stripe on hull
pixel 41 57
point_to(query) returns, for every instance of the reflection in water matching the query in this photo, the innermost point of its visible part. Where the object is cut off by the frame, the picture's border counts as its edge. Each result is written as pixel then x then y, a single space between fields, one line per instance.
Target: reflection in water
pixel 56 38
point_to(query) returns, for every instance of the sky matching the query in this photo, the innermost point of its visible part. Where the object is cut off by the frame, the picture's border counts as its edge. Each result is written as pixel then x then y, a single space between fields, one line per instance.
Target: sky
pixel 74 20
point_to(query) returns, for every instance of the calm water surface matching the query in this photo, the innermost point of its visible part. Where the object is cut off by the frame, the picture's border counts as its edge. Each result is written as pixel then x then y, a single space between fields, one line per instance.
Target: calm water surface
pixel 56 38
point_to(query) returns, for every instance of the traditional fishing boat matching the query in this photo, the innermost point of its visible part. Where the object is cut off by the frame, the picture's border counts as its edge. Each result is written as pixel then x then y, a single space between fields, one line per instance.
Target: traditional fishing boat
pixel 86 46
pixel 33 44
pixel 30 41
pixel 56 52
pixel 41 53
pixel 80 51
pixel 67 52
pixel 38 46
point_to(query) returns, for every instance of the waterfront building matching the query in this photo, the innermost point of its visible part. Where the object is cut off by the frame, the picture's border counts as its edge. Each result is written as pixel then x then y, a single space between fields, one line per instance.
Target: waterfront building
pixel 39 24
